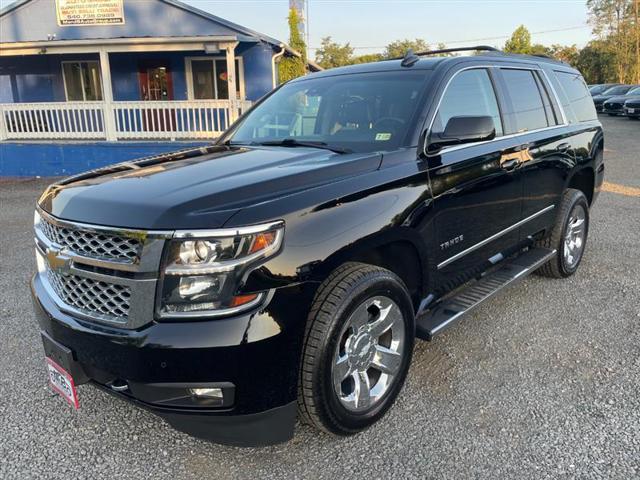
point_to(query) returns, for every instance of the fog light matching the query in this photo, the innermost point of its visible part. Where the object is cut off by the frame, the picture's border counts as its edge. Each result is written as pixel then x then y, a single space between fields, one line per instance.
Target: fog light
pixel 207 393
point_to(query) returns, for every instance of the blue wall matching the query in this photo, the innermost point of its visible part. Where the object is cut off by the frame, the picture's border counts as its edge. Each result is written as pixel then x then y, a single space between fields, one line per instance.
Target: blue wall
pixel 34 78
pixel 38 78
pixel 30 159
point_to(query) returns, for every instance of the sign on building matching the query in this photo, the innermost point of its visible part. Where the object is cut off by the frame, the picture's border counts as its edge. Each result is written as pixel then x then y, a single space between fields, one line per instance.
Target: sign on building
pixel 90 12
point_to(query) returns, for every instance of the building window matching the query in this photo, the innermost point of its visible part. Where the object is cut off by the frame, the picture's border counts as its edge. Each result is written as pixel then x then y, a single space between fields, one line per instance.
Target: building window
pixel 82 81
pixel 207 78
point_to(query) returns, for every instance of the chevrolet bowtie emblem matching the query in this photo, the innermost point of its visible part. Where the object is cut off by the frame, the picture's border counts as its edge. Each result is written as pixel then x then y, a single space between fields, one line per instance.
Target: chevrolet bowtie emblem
pixel 58 261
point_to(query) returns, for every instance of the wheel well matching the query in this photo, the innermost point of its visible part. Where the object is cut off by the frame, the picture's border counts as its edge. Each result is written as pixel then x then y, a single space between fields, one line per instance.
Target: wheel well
pixel 584 180
pixel 400 257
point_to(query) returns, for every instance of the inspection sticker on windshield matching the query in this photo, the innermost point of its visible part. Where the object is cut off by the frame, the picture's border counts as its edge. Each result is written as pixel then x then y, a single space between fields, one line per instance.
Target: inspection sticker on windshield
pixel 383 137
pixel 62 382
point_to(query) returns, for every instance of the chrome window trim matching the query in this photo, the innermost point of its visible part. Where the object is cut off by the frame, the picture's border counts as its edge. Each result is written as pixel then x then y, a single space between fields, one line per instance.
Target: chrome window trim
pixel 493 237
pixel 511 135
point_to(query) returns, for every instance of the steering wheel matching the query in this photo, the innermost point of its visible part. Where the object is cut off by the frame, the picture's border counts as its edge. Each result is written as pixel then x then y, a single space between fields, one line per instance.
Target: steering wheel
pixel 378 124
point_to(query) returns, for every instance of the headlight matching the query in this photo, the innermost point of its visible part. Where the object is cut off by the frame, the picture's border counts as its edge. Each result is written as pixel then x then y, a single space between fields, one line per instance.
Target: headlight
pixel 204 270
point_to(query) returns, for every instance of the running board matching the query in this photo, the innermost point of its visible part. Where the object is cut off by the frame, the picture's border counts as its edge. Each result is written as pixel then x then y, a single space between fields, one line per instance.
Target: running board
pixel 448 311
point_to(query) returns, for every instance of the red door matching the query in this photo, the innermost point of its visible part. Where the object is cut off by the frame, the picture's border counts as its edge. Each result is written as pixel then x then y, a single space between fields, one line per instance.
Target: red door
pixel 156 84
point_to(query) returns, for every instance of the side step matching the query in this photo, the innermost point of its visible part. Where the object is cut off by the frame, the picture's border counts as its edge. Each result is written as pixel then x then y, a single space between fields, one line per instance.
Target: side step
pixel 448 311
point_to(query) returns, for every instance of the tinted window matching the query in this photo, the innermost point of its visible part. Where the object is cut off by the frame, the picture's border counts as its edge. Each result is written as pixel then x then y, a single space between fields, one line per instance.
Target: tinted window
pixel 470 93
pixel 621 90
pixel 576 97
pixel 363 112
pixel 526 100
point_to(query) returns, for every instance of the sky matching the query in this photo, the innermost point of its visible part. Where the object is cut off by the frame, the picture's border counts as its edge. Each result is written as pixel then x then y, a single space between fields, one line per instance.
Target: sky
pixel 369 25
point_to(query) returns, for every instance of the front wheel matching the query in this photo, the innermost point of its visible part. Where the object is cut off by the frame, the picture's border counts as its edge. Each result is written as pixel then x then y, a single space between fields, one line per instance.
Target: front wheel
pixel 568 237
pixel 357 351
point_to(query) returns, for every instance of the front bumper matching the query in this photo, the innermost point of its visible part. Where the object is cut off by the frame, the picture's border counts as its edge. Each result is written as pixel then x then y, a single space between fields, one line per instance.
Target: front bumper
pixel 254 356
pixel 633 111
pixel 612 109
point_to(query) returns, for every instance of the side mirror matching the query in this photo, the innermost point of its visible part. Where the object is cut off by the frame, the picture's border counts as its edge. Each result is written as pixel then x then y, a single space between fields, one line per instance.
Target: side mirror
pixel 465 129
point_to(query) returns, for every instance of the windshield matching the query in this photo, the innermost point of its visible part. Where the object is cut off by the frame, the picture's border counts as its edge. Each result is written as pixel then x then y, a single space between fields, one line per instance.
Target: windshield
pixel 634 91
pixel 363 112
pixel 621 90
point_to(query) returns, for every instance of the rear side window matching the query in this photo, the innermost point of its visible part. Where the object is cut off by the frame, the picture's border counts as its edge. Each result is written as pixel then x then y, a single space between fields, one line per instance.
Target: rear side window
pixel 576 97
pixel 470 93
pixel 526 99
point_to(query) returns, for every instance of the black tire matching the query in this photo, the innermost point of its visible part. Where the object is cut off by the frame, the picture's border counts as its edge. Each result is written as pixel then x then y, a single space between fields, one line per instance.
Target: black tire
pixel 347 288
pixel 557 267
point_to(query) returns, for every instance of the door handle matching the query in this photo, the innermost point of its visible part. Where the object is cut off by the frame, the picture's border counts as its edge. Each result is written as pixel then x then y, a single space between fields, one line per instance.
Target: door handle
pixel 510 164
pixel 524 146
pixel 563 147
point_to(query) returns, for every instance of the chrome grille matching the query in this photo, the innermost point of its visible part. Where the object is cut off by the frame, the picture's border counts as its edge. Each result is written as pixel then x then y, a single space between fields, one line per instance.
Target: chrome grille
pixel 93 244
pixel 92 297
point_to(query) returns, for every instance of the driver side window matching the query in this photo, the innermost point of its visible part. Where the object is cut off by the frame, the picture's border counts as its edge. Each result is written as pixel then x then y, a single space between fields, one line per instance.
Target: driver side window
pixel 470 93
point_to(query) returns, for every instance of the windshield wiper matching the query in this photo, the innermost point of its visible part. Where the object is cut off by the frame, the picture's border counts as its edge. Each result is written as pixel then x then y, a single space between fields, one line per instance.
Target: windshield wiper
pixel 292 142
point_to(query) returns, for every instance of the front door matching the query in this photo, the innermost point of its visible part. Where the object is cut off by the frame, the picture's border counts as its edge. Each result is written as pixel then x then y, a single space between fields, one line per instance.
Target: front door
pixel 156 85
pixel 477 188
pixel 155 82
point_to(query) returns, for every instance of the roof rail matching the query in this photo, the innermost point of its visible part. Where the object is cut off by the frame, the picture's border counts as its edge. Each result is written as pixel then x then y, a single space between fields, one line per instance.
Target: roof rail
pixel 485 48
pixel 410 55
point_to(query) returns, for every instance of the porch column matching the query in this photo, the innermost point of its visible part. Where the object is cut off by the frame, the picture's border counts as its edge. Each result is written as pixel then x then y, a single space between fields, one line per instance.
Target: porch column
pixel 230 49
pixel 107 97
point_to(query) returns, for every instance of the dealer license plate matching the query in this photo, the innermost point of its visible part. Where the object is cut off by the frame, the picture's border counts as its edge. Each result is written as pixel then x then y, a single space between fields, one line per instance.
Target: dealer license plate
pixel 631 110
pixel 62 383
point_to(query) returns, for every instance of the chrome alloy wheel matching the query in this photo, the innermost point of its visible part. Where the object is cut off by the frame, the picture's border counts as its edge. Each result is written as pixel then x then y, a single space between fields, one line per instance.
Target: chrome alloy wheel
pixel 574 238
pixel 369 353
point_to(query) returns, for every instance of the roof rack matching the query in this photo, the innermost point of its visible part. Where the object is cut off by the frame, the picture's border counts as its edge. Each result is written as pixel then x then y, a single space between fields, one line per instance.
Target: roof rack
pixel 410 57
pixel 482 48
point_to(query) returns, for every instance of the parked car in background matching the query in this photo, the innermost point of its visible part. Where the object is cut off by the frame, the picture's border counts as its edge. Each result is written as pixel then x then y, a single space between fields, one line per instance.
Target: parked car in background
pixel 598 100
pixel 601 88
pixel 631 108
pixel 614 106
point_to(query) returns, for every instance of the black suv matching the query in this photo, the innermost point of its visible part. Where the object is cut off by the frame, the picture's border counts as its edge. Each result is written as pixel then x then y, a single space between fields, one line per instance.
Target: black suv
pixel 287 269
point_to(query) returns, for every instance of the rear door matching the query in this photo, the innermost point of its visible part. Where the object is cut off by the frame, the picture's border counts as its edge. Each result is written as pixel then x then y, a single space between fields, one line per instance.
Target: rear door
pixel 533 116
pixel 477 188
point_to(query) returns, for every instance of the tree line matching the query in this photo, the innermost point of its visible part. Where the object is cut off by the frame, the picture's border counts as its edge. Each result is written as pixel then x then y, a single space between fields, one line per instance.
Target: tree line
pixel 613 55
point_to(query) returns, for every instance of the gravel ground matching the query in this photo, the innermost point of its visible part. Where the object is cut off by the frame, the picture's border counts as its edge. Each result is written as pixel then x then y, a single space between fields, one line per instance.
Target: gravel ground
pixel 542 382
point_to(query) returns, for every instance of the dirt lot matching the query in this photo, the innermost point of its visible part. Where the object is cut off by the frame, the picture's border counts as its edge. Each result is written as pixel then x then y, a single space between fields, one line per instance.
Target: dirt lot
pixel 543 382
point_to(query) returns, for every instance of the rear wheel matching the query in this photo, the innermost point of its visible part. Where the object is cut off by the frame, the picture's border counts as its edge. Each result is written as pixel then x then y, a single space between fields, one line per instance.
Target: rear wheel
pixel 357 351
pixel 568 237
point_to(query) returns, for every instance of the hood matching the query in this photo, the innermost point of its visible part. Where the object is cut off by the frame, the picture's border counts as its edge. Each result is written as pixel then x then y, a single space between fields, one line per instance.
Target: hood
pixel 196 189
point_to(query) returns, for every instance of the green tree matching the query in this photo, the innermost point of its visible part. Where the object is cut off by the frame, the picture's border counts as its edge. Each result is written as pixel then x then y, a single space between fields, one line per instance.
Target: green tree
pixel 291 66
pixel 567 54
pixel 332 54
pixel 616 23
pixel 520 41
pixel 367 58
pixel 539 49
pixel 399 47
pixel 596 62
